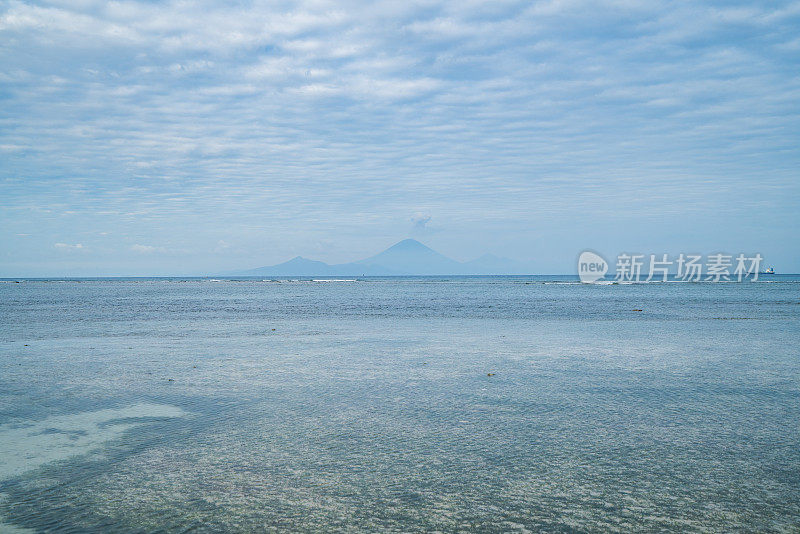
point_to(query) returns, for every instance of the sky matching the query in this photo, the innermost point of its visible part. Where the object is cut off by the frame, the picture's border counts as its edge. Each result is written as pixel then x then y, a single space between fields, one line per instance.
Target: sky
pixel 181 138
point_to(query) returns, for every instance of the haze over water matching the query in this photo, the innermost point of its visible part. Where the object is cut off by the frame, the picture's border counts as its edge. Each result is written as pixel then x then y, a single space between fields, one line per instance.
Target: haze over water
pixel 166 405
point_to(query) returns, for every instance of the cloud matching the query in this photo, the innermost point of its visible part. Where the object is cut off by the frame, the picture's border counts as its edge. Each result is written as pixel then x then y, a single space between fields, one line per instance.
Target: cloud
pixel 147 249
pixel 70 248
pixel 222 246
pixel 419 220
pixel 293 124
pixel 420 225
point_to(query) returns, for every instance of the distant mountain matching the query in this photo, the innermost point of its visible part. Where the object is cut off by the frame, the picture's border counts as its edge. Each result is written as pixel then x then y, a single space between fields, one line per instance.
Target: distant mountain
pixel 412 257
pixel 297 266
pixel 300 266
pixel 408 257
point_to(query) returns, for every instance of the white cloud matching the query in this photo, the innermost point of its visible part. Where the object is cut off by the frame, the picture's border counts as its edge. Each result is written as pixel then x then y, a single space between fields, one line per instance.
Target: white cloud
pixel 70 247
pixel 326 119
pixel 419 220
pixel 420 225
pixel 147 249
pixel 222 246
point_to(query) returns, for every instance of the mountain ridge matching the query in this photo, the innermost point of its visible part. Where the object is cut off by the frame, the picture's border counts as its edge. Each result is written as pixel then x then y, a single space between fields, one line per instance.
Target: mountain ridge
pixel 407 257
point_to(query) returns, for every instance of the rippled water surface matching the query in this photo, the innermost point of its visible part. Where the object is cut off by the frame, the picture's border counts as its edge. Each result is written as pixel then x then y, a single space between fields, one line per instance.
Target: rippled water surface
pixel 491 404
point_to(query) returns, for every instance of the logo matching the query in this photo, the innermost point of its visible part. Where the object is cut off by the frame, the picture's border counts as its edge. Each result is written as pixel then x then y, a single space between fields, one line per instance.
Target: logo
pixel 591 267
pixel 634 268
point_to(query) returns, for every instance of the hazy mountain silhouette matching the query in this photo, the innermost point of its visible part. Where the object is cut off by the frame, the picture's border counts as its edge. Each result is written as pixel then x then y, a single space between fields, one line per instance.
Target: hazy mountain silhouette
pixel 412 257
pixel 408 257
pixel 297 266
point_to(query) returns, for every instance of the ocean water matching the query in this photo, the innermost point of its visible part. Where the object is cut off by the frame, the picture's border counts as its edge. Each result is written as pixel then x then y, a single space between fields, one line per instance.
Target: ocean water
pixel 506 404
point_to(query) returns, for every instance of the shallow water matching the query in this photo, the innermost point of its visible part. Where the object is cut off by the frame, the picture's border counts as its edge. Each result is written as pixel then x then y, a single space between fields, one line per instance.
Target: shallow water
pixel 249 405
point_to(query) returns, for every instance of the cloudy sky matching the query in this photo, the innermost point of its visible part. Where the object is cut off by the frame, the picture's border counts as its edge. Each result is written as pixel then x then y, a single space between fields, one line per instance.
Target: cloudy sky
pixel 144 137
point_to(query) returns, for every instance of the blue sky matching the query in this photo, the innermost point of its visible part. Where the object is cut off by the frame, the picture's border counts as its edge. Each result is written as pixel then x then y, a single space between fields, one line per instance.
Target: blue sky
pixel 142 137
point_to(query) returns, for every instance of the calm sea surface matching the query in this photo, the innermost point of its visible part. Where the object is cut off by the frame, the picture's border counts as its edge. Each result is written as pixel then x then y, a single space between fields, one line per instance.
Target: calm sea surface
pixel 172 405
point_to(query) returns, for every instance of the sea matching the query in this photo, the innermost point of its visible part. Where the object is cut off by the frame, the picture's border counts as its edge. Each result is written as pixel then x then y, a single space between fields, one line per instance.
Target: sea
pixel 419 404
